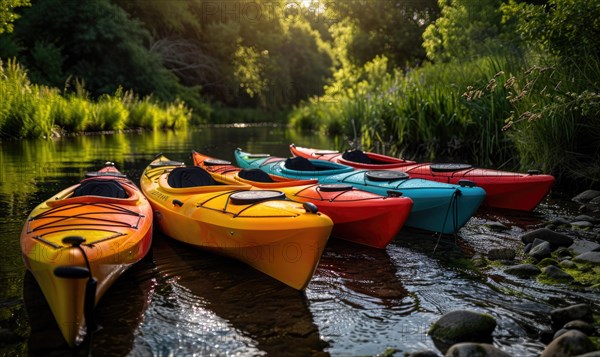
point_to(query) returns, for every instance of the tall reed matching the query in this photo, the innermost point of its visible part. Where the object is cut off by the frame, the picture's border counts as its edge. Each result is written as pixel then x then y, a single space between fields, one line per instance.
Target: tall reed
pixel 31 110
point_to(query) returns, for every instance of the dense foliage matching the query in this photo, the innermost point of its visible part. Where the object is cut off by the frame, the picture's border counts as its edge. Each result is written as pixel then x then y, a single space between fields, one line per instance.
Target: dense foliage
pixel 495 82
pixel 33 110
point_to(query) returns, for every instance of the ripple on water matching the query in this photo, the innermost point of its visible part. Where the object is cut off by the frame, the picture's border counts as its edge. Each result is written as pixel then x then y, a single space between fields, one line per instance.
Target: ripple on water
pixel 216 306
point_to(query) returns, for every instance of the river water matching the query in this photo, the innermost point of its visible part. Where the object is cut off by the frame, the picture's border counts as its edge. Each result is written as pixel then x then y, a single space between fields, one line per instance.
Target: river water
pixel 186 302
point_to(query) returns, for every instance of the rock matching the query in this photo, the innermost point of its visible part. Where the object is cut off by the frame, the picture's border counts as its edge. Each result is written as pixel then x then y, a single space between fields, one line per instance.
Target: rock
pixel 501 254
pixel 575 312
pixel 571 343
pixel 582 326
pixel 547 261
pixel 527 248
pixel 567 264
pixel 555 273
pixel 590 354
pixel 586 196
pixel 523 270
pixel 584 246
pixel 425 353
pixel 561 221
pixel 541 251
pixel 536 242
pixel 496 226
pixel 559 333
pixel 563 252
pixel 554 238
pixel 546 336
pixel 585 217
pixel 589 257
pixel 8 336
pixel 463 326
pixel 582 224
pixel 470 349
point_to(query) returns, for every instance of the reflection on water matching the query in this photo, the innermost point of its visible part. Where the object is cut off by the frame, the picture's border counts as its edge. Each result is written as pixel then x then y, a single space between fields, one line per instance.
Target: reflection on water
pixel 220 307
pixel 184 301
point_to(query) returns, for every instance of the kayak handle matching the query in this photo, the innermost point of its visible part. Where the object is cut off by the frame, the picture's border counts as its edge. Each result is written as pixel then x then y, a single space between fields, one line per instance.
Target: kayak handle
pixel 177 203
pixel 310 207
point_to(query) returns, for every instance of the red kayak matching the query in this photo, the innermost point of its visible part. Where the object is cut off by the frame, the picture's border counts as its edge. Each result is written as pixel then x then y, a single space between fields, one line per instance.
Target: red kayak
pixel 358 216
pixel 509 190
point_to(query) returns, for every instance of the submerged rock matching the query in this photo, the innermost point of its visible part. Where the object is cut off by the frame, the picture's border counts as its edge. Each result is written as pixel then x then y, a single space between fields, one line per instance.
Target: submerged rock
pixel 554 238
pixel 523 270
pixel 470 349
pixel 576 312
pixel 496 226
pixel 501 254
pixel 571 343
pixel 463 326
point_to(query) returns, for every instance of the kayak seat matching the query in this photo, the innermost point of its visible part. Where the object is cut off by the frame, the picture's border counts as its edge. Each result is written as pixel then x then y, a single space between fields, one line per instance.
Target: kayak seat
pixel 299 164
pixel 357 156
pixel 103 188
pixel 256 175
pixel 192 176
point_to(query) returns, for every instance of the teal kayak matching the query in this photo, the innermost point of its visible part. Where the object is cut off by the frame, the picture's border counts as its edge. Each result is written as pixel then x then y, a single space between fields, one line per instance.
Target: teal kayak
pixel 438 207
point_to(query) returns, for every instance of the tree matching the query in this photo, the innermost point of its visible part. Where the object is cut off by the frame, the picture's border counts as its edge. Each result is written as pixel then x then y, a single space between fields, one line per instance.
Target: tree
pixel 8 15
pixel 466 29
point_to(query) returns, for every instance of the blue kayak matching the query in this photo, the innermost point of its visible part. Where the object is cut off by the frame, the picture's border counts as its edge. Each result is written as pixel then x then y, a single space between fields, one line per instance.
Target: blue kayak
pixel 438 207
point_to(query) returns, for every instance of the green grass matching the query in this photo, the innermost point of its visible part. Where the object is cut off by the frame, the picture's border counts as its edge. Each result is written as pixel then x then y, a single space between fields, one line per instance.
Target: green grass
pixel 494 111
pixel 31 110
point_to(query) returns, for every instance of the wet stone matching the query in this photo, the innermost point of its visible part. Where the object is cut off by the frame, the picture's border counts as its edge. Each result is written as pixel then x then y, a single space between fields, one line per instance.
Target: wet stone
pixel 463 326
pixel 527 248
pixel 567 264
pixel 571 343
pixel 8 336
pixel 541 251
pixel 560 221
pixel 555 273
pixel 582 224
pixel 559 333
pixel 582 326
pixel 496 226
pixel 575 312
pixel 501 254
pixel 586 196
pixel 563 252
pixel 426 353
pixel 590 354
pixel 470 349
pixel 554 238
pixel 589 257
pixel 523 270
pixel 583 246
pixel 585 217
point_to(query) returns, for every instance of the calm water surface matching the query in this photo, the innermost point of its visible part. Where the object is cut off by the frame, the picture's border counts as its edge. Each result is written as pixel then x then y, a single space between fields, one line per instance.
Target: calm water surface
pixel 183 302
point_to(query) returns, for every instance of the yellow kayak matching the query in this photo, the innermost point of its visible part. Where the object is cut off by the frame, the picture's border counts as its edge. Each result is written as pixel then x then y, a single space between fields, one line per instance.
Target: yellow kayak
pixel 278 237
pixel 81 240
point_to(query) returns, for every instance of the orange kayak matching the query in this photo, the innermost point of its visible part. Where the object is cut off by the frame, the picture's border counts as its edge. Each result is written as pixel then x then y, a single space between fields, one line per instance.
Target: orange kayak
pixel 508 190
pixel 78 242
pixel 276 236
pixel 359 216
